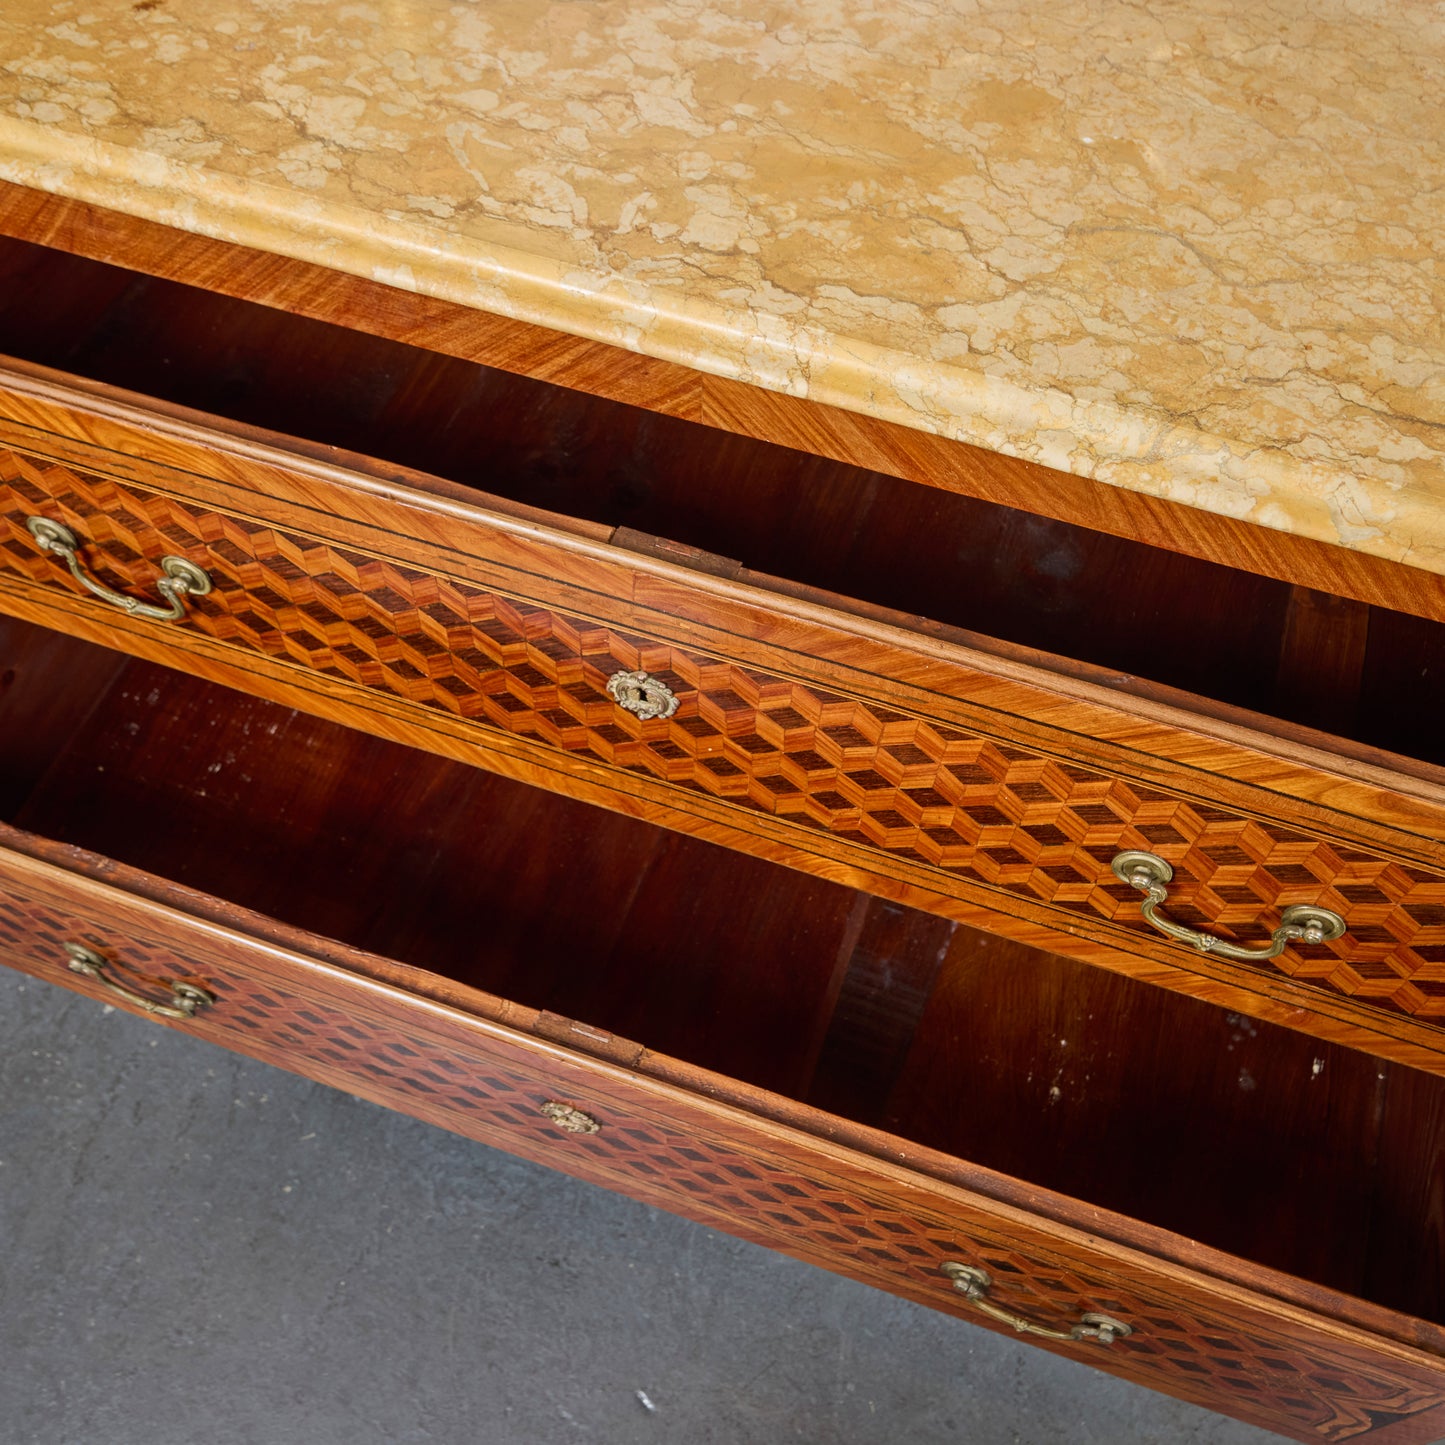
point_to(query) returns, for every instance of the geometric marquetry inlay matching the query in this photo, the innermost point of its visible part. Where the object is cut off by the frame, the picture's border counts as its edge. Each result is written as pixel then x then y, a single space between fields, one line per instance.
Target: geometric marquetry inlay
pixel 962 804
pixel 735 1175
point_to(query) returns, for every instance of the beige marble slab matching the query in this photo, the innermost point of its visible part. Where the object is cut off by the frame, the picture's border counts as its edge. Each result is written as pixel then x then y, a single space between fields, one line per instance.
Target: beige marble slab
pixel 1195 249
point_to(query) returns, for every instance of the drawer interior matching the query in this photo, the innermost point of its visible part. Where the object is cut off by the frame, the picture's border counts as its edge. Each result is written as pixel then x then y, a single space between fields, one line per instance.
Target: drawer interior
pixel 1364 673
pixel 1295 1154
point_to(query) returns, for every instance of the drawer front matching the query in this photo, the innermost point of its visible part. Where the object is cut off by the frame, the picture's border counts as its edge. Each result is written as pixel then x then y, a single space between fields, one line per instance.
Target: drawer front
pixel 949 813
pixel 1277 1365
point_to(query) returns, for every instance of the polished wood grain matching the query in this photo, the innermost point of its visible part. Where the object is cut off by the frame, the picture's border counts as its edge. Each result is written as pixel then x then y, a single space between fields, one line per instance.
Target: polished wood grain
pixel 1205 1121
pixel 1013 482
pixel 659 482
pixel 1306 1371
pixel 1138 615
pixel 691 626
pixel 143 694
pixel 1324 652
pixel 45 690
pixel 420 519
pixel 363 305
pixel 889 979
pixel 687 947
pixel 1402 660
pixel 673 390
pixel 973 1045
pixel 1380 1035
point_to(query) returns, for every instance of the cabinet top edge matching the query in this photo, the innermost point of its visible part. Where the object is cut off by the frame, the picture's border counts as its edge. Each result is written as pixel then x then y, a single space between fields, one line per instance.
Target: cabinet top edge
pixel 1192 259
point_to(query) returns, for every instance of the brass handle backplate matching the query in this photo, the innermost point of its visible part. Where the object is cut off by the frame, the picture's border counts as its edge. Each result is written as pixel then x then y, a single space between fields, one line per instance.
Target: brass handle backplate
pixel 181 578
pixel 974 1283
pixel 564 1116
pixel 642 694
pixel 186 998
pixel 1301 922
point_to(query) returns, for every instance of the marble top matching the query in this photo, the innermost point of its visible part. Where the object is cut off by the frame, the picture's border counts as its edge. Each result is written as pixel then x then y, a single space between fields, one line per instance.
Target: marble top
pixel 1194 248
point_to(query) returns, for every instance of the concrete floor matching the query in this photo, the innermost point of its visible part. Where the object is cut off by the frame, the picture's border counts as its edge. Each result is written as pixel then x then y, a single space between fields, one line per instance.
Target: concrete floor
pixel 201 1250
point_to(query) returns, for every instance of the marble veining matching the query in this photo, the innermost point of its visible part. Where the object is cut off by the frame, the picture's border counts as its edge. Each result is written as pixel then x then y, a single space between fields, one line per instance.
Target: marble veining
pixel 1191 247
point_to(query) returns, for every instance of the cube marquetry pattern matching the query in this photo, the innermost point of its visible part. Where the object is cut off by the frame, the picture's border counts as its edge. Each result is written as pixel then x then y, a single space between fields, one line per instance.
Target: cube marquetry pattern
pixel 963 805
pixel 742 1180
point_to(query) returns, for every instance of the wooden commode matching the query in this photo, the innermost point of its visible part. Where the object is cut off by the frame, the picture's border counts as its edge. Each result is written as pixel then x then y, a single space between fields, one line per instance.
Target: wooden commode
pixel 734 824
pixel 828 615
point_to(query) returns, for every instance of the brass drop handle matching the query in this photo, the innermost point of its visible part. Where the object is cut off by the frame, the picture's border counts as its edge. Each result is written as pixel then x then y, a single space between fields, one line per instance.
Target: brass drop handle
pixel 182 579
pixel 1300 922
pixel 642 694
pixel 188 999
pixel 974 1284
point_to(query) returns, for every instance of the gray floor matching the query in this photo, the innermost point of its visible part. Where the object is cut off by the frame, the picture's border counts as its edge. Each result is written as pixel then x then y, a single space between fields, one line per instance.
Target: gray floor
pixel 200 1250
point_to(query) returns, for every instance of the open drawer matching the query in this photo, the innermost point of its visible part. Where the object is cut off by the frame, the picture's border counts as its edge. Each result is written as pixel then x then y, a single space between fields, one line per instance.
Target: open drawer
pixel 1224 1210
pixel 974 778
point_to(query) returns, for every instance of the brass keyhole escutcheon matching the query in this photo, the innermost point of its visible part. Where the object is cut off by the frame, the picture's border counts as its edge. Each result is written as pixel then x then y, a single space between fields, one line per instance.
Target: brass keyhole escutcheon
pixel 565 1117
pixel 642 695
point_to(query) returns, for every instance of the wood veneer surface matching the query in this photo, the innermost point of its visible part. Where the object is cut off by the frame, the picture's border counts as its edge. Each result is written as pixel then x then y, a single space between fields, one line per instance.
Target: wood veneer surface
pixel 1136 609
pixel 1126 1096
pixel 691 948
pixel 424 534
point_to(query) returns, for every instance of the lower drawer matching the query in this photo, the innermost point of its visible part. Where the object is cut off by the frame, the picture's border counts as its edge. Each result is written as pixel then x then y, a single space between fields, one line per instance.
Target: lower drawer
pixel 764 1057
pixel 711 1159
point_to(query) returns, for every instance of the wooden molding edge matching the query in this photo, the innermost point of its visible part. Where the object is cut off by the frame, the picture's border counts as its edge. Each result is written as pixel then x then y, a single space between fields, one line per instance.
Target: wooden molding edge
pixel 88 413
